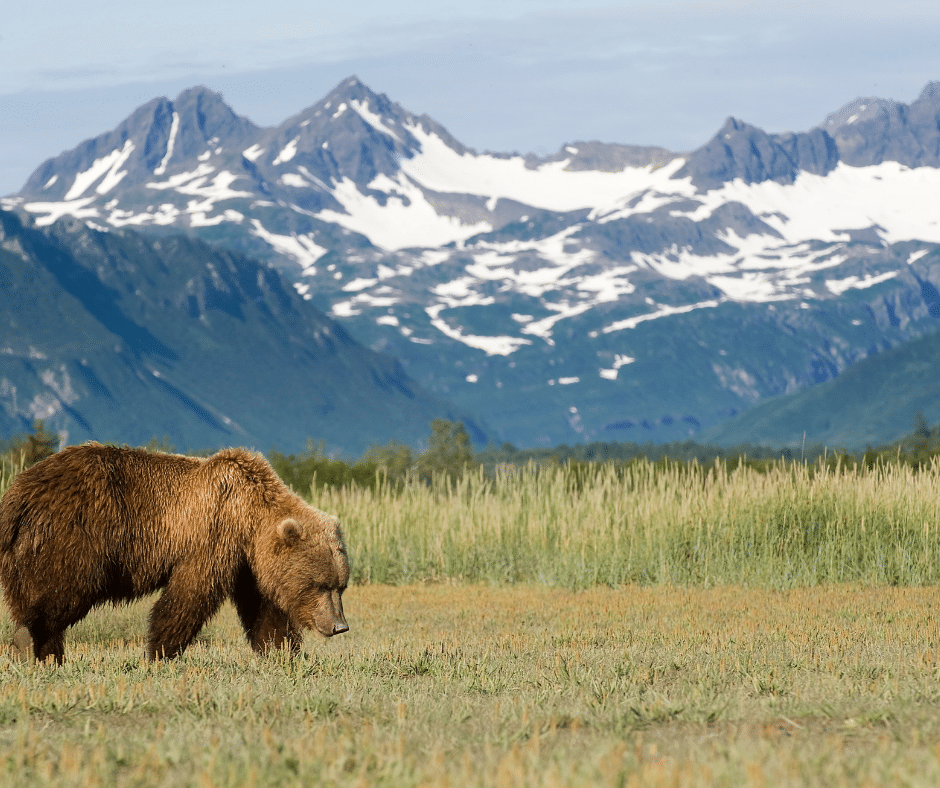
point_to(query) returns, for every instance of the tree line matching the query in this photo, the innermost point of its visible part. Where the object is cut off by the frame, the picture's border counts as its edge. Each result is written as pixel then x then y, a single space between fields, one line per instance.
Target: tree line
pixel 449 453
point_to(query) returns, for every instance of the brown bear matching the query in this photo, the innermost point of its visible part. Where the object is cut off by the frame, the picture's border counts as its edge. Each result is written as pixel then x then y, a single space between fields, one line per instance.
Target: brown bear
pixel 94 524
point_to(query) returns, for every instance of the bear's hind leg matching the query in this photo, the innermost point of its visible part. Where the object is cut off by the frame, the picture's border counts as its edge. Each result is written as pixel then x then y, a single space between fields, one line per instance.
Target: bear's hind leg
pixel 54 646
pixel 23 645
pixel 36 642
pixel 40 626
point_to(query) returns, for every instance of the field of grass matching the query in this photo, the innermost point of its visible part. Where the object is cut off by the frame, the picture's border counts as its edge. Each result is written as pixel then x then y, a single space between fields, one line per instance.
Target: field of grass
pixel 647 626
pixel 487 686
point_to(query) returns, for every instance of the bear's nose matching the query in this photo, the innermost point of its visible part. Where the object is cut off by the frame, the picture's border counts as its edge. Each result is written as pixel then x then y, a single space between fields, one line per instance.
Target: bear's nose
pixel 340 627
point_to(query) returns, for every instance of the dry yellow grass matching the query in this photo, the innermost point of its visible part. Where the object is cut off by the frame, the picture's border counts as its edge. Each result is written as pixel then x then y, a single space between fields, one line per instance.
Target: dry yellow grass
pixel 480 686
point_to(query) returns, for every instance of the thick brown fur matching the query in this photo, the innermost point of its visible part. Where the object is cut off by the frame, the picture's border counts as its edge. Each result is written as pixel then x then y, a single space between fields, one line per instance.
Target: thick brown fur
pixel 94 524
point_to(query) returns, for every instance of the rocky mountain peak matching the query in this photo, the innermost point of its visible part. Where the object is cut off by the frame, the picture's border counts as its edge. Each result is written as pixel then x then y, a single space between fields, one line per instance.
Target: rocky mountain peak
pixel 862 108
pixel 869 131
pixel 733 124
pixel 154 139
pixel 931 92
pixel 350 94
pixel 205 119
pixel 352 133
pixel 742 151
pixel 351 89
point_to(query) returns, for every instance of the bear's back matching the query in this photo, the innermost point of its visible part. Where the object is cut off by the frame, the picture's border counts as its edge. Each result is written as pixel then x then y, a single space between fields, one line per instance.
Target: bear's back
pixel 100 491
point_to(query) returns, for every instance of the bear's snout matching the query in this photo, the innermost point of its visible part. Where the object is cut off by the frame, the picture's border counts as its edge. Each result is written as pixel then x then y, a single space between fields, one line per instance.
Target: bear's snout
pixel 329 619
pixel 329 628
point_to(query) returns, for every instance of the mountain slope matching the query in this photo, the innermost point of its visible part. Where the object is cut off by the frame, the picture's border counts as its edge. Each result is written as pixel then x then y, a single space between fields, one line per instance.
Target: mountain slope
pixel 605 292
pixel 872 403
pixel 118 337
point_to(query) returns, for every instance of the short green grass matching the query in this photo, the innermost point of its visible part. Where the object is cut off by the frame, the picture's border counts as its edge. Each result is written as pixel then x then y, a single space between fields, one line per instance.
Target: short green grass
pixel 470 685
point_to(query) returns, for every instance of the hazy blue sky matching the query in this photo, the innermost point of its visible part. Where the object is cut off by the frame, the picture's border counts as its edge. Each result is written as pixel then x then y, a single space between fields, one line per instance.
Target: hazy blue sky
pixel 500 75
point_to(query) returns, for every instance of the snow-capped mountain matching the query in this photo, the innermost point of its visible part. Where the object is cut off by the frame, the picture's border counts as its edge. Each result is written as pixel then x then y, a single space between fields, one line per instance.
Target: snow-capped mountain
pixel 606 292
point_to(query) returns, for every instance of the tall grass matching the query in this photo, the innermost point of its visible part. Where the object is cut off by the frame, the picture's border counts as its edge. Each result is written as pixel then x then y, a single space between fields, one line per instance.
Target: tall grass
pixel 781 525
pixel 664 523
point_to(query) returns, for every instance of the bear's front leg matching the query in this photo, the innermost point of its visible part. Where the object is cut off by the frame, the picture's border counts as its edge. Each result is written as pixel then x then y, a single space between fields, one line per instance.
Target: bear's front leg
pixel 187 603
pixel 273 630
pixel 266 625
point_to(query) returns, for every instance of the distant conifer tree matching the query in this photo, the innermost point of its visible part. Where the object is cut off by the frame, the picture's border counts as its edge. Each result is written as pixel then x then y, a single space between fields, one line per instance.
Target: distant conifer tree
pixel 449 449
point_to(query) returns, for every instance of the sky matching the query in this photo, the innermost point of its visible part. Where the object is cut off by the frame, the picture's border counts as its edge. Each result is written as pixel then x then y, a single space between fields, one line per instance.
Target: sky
pixel 500 75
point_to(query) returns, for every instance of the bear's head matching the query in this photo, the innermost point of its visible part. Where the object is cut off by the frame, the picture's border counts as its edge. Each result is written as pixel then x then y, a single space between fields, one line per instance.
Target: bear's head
pixel 305 570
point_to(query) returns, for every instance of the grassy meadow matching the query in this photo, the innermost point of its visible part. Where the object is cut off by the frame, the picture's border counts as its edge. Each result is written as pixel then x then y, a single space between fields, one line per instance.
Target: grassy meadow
pixel 648 625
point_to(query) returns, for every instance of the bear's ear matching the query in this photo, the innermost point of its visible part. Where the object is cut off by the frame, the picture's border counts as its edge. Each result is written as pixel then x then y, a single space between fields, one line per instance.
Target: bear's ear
pixel 290 531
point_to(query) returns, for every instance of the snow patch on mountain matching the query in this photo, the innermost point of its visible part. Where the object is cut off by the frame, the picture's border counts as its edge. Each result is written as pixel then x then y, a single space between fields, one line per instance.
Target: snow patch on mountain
pixel 174 130
pixel 287 152
pixel 181 178
pixel 301 248
pixel 358 284
pixel 107 166
pixel 53 211
pixel 543 328
pixel 165 215
pixel 760 268
pixel 196 184
pixel 550 186
pixel 663 311
pixel 620 360
pixel 899 202
pixel 253 153
pixel 492 346
pixel 839 286
pixel 610 285
pixel 406 220
pixel 294 180
pixel 374 120
pixel 497 262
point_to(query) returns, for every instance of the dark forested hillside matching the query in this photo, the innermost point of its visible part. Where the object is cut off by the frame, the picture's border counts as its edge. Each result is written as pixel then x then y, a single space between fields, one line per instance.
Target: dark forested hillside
pixel 120 337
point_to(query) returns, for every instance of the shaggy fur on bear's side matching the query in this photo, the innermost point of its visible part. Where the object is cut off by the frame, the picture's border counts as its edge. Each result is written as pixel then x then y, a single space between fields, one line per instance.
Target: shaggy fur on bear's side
pixel 95 524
